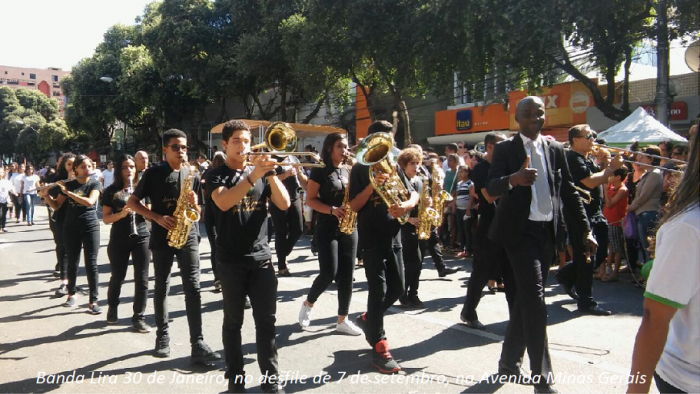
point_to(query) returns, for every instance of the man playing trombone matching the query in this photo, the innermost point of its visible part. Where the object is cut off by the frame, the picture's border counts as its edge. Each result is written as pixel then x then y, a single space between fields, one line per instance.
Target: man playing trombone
pixel 589 177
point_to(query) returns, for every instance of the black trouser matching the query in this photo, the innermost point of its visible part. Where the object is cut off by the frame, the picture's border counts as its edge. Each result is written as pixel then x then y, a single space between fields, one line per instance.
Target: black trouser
pixel 61 256
pixel 462 237
pixel 3 214
pixel 210 226
pixel 412 258
pixel 336 260
pixel 18 203
pixel 188 261
pixel 257 280
pixel 289 226
pixel 87 238
pixel 527 328
pixel 118 251
pixel 385 280
pixel 431 247
pixel 487 255
pixel 666 387
pixel 579 273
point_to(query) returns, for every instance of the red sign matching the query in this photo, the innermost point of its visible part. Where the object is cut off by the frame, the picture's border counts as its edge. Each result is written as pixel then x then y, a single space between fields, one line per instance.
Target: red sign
pixel 679 110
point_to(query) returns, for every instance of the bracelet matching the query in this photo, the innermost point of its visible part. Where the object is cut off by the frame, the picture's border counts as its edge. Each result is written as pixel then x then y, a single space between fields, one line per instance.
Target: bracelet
pixel 249 181
pixel 270 173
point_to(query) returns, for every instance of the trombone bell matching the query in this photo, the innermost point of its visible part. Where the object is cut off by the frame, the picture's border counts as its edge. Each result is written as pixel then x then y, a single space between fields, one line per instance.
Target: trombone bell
pixel 280 139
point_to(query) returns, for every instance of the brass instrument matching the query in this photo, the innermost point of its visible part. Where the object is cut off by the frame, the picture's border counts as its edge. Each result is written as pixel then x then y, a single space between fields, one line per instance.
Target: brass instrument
pixel 185 215
pixel 348 223
pixel 426 215
pixel 281 140
pixel 377 151
pixel 626 152
pixel 439 195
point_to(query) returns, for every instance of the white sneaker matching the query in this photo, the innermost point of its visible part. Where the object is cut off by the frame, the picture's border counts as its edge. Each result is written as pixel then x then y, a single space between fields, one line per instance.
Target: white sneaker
pixel 305 315
pixel 348 327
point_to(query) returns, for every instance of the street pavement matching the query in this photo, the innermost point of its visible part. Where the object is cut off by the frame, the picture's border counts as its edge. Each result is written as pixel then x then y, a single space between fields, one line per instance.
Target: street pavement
pixel 45 347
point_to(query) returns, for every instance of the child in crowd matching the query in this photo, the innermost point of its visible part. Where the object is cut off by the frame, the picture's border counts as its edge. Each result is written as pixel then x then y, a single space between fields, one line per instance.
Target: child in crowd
pixel 615 210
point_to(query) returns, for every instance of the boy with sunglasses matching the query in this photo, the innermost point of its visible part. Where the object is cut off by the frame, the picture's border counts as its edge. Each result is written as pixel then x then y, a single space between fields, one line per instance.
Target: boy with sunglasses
pixel 162 184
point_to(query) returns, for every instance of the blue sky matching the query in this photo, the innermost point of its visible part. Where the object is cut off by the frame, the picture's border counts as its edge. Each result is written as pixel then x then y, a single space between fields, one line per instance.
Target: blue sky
pixel 59 33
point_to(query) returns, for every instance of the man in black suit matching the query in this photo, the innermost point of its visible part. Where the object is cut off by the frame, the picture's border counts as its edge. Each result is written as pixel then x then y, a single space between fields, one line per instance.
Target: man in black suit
pixel 531 176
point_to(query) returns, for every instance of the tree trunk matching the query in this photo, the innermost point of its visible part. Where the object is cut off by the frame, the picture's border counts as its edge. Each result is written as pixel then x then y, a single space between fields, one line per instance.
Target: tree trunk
pixel 626 83
pixel 283 102
pixel 662 55
pixel 403 115
pixel 313 113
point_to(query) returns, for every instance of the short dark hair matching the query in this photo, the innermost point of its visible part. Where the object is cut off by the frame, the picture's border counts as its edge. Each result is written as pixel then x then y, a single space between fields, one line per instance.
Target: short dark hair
pixel 576 130
pixel 173 133
pixel 231 127
pixel 492 137
pixel 380 126
pixel 79 160
pixel 452 146
pixel 621 172
pixel 109 162
pixel 653 150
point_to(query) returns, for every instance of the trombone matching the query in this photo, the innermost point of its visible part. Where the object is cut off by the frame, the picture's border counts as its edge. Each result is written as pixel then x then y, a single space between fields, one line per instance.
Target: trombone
pixel 280 140
pixel 625 152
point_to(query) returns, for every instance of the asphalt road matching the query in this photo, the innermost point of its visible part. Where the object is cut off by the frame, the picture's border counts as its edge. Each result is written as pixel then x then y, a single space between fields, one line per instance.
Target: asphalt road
pixel 45 347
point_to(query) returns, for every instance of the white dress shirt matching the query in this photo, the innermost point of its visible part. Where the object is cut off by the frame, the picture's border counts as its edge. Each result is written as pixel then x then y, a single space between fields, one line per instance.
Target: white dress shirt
pixel 535 214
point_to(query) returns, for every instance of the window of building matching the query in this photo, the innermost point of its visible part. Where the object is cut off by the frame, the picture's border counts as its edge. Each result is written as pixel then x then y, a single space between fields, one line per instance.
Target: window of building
pixel 32 76
pixel 54 78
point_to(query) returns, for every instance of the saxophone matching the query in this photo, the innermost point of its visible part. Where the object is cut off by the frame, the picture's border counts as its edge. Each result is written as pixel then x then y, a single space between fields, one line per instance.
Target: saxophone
pixel 349 222
pixel 426 215
pixel 185 215
pixel 439 195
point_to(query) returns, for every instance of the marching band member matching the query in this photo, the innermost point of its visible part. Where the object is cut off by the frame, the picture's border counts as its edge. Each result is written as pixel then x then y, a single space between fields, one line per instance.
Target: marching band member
pixel 241 194
pixel 326 192
pixel 128 236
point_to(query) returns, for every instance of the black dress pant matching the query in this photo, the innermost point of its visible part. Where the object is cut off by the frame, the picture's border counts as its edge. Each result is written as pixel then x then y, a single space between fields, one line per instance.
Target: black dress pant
pixel 385 280
pixel 118 252
pixel 210 226
pixel 188 261
pixel 487 254
pixel 289 226
pixel 18 203
pixel 336 260
pixel 3 214
pixel 257 280
pixel 412 258
pixel 579 273
pixel 61 256
pixel 431 246
pixel 87 238
pixel 527 328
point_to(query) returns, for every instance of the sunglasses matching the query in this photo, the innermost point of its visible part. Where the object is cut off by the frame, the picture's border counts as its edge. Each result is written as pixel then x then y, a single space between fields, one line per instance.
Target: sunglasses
pixel 177 148
pixel 586 136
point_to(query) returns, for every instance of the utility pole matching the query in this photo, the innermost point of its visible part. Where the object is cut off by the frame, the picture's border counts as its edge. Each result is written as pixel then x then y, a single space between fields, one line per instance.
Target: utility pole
pixel 662 63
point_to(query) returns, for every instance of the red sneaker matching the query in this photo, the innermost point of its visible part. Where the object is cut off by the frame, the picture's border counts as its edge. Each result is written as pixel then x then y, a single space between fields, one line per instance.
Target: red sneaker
pixel 382 360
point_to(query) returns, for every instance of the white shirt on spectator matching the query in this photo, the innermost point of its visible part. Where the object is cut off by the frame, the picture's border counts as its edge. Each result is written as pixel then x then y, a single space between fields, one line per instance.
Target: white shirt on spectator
pixel 30 183
pixel 108 176
pixel 16 180
pixel 675 281
pixel 6 188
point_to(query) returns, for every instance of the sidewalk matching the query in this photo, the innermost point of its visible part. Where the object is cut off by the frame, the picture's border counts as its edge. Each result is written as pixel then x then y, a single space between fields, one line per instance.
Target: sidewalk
pixel 45 347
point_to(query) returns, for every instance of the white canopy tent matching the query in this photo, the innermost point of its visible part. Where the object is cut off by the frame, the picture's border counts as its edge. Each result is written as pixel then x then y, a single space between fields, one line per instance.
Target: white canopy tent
pixel 639 126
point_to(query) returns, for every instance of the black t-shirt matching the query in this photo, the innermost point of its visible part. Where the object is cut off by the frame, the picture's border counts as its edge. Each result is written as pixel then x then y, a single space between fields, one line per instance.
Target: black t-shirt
pixel 374 224
pixel 417 185
pixel 161 185
pixel 487 211
pixel 77 214
pixel 59 214
pixel 332 183
pixel 291 183
pixel 581 168
pixel 116 200
pixel 242 229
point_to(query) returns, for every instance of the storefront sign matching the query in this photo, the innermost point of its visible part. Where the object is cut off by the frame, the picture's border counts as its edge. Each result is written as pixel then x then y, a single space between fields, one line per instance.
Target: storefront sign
pixel 679 110
pixel 464 119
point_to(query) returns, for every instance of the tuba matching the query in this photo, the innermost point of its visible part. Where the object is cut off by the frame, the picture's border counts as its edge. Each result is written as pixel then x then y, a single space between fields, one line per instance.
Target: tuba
pixel 426 215
pixel 185 215
pixel 440 196
pixel 377 151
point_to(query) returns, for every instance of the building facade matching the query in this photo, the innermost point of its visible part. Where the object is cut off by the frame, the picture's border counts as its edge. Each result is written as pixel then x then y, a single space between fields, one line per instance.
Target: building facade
pixel 44 80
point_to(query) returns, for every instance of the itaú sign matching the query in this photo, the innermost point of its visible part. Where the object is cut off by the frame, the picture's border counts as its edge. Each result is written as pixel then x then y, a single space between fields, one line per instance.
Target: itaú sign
pixel 464 119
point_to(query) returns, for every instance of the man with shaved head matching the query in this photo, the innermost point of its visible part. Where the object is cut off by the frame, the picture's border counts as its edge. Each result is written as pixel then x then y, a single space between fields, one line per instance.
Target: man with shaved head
pixel 141 161
pixel 531 176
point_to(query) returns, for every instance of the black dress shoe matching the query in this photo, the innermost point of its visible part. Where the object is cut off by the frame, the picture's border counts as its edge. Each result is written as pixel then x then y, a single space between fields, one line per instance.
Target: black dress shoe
pixel 595 311
pixel 447 271
pixel 545 388
pixel 568 289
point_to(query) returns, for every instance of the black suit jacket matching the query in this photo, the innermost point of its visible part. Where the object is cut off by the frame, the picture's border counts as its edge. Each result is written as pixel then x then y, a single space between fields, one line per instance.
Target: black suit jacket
pixel 513 207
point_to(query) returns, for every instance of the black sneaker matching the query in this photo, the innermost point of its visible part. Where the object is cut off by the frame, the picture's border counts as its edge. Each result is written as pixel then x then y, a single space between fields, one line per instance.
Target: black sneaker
pixel 247 303
pixel 416 301
pixel 382 360
pixel 112 317
pixel 202 354
pixel 94 309
pixel 447 271
pixel 274 388
pixel 162 347
pixel 361 321
pixel 405 302
pixel 62 290
pixel 142 327
pixel 71 302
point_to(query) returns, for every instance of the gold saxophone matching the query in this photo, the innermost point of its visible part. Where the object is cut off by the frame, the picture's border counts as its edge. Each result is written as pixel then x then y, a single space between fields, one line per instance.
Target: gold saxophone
pixel 426 215
pixel 185 215
pixel 349 222
pixel 439 195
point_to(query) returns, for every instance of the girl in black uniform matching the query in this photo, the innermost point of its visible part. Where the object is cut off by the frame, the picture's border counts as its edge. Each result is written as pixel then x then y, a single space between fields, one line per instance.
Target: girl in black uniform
pixel 81 230
pixel 129 235
pixel 65 171
pixel 336 251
